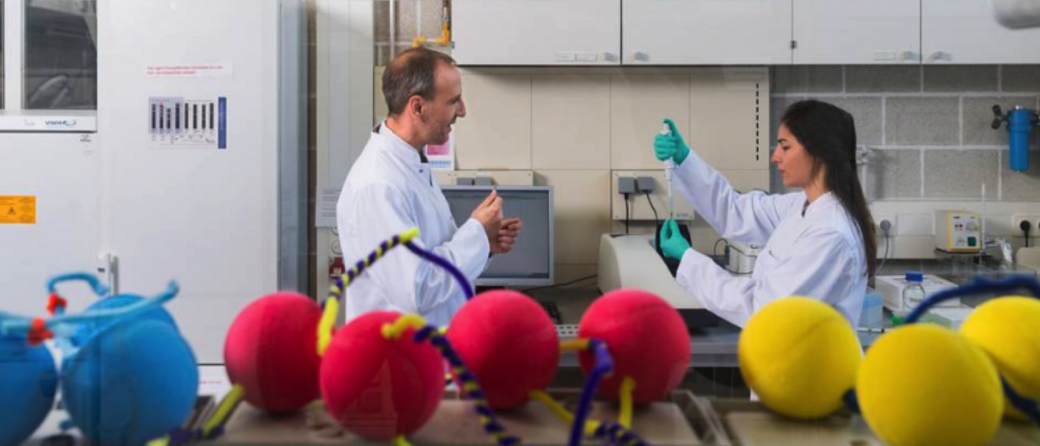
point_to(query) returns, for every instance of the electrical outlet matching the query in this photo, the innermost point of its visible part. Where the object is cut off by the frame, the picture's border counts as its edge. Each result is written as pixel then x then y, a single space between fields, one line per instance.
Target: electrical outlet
pixel 645 185
pixel 626 185
pixel 891 218
pixel 1033 219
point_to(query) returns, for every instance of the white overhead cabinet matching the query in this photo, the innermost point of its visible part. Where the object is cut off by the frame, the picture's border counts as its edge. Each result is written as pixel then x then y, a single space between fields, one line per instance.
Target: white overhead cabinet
pixel 536 32
pixel 706 32
pixel 966 32
pixel 857 31
pixel 735 32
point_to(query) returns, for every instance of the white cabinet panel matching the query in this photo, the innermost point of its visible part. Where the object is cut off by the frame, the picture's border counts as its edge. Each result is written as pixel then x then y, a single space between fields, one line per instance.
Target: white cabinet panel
pixel 706 32
pixel 966 32
pixel 857 31
pixel 61 172
pixel 536 32
pixel 205 217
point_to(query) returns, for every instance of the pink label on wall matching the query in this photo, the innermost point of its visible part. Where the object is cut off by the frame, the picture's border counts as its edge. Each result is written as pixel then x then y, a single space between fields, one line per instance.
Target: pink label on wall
pixel 438 150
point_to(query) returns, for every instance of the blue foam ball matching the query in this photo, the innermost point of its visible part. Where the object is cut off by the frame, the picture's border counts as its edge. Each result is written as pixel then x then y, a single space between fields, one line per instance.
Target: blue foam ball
pixel 28 381
pixel 131 382
pixel 86 330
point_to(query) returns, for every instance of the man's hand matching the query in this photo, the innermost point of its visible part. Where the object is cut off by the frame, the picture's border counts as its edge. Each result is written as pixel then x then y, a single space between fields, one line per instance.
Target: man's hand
pixel 489 214
pixel 507 236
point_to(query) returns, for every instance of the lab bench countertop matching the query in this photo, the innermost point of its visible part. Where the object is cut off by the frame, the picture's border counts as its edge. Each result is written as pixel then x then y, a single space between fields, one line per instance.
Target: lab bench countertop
pixel 710 347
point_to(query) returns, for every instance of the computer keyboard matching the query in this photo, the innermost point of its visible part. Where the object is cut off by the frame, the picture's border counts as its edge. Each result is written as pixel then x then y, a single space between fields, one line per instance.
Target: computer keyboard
pixel 567 331
pixel 553 311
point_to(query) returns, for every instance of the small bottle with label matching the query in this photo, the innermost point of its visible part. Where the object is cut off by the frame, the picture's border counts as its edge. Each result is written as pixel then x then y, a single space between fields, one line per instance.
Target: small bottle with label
pixel 913 293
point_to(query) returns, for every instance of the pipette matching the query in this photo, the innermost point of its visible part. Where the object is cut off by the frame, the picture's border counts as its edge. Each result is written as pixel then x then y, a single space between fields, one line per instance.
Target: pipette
pixel 669 167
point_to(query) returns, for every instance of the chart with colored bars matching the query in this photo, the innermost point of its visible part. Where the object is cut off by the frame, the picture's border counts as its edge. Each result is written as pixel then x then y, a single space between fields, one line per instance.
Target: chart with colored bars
pixel 188 123
pixel 18 209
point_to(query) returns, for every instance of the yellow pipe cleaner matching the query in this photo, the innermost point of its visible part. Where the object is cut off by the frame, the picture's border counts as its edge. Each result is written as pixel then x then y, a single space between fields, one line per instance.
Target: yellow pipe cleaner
pixel 328 317
pixel 625 417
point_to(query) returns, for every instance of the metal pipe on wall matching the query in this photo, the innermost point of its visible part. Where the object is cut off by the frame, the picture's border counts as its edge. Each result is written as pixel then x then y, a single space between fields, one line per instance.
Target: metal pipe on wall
pixel 393 29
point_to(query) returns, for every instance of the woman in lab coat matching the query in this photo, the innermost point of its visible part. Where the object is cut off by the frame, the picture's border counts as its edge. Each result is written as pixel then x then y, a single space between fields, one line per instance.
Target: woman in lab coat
pixel 818 242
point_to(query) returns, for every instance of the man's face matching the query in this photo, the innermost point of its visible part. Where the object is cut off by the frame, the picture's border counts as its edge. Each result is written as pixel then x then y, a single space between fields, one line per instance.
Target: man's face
pixel 440 113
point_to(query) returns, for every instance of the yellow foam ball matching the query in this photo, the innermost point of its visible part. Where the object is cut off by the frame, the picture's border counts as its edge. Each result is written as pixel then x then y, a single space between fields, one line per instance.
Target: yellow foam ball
pixel 922 384
pixel 799 356
pixel 1008 329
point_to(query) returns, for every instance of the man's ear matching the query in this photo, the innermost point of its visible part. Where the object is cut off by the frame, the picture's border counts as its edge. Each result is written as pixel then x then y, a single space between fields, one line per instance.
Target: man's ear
pixel 415 105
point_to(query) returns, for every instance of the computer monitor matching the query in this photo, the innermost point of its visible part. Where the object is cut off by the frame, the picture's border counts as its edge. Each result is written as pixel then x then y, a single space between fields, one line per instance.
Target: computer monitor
pixel 530 263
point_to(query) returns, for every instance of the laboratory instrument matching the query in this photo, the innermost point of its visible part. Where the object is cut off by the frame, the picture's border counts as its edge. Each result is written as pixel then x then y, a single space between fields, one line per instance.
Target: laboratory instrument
pixel 958 231
pixel 891 289
pixel 630 261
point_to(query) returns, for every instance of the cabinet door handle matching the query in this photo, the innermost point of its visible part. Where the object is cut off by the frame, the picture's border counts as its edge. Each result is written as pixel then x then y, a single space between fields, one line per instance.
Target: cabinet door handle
pixel 909 56
pixel 640 56
pixel 938 56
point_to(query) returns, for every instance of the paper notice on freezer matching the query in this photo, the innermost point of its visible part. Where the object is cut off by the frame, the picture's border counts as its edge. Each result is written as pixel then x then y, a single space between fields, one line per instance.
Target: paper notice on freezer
pixel 176 122
pixel 190 70
pixel 325 210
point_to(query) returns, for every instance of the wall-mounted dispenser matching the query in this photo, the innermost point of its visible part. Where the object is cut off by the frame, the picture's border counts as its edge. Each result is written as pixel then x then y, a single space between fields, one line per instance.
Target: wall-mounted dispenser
pixel 1021 122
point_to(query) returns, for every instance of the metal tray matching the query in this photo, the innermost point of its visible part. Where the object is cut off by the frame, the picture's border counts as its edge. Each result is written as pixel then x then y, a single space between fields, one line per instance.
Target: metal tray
pixel 680 421
pixel 750 423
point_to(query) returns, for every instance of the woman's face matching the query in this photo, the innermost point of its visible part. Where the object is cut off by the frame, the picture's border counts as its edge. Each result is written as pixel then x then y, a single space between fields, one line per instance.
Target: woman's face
pixel 794 163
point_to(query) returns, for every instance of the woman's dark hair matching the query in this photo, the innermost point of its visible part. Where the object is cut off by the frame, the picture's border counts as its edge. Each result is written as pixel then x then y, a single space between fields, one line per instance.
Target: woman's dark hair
pixel 828 133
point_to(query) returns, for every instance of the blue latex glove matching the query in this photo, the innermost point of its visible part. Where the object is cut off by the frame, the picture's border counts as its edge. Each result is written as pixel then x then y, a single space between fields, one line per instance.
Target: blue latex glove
pixel 672 242
pixel 671 146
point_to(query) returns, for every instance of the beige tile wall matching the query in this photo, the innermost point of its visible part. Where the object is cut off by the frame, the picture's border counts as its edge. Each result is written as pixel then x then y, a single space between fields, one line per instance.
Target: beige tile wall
pixel 638 104
pixel 570 117
pixel 502 103
pixel 574 129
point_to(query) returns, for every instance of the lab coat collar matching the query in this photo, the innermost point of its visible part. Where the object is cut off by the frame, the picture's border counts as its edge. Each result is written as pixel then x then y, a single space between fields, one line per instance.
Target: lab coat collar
pixel 823 201
pixel 400 148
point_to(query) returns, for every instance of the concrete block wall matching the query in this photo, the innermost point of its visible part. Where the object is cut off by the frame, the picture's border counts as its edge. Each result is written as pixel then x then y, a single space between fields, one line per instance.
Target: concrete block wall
pixel 928 127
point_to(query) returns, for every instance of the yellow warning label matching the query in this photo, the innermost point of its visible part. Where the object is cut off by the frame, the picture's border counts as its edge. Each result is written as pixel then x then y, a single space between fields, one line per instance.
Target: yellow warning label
pixel 18 209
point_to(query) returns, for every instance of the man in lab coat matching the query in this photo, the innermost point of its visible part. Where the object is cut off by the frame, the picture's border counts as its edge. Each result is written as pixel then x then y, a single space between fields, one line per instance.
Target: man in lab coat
pixel 391 189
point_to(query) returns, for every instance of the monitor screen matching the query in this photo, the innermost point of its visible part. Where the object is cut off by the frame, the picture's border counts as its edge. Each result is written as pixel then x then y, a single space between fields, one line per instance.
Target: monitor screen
pixel 531 260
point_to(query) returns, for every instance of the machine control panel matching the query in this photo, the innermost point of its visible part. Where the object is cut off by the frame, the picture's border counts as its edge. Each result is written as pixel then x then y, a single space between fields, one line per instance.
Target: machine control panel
pixel 958 231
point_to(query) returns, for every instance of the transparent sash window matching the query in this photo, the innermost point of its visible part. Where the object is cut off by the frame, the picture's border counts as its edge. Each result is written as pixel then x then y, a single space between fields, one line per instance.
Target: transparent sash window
pixel 1 55
pixel 60 55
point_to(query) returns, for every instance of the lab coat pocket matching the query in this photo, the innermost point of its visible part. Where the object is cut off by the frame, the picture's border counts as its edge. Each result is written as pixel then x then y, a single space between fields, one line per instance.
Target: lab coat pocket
pixel 774 257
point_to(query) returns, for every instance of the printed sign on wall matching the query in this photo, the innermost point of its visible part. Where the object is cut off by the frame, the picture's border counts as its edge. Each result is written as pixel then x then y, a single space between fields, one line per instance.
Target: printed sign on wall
pixel 185 123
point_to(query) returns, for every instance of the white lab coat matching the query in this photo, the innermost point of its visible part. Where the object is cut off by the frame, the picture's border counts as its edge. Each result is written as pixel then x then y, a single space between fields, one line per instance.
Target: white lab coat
pixel 388 191
pixel 815 251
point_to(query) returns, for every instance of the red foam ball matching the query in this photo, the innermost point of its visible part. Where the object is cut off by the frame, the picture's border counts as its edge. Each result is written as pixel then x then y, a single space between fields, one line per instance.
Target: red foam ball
pixel 376 387
pixel 272 352
pixel 646 338
pixel 508 341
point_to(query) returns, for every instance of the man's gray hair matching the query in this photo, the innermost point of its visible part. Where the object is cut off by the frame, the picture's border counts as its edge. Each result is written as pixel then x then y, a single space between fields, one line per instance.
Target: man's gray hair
pixel 411 73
